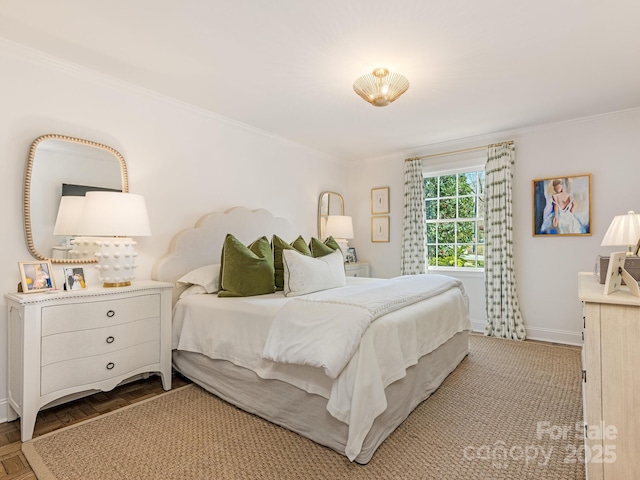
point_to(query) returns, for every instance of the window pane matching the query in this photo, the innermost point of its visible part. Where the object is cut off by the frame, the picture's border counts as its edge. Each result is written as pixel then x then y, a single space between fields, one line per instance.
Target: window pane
pixel 431 187
pixel 466 232
pixel 481 182
pixel 467 183
pixel 447 208
pixel 446 256
pixel 431 207
pixel 431 255
pixel 467 256
pixel 480 206
pixel 431 233
pixel 446 232
pixel 480 231
pixel 466 207
pixel 447 185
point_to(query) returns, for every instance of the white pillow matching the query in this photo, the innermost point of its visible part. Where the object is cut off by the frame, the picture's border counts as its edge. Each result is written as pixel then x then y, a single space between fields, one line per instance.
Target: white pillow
pixel 304 274
pixel 193 290
pixel 207 277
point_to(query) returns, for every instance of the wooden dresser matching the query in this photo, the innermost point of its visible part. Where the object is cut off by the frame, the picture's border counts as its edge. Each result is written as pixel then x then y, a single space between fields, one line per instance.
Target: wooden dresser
pixel 64 343
pixel 611 381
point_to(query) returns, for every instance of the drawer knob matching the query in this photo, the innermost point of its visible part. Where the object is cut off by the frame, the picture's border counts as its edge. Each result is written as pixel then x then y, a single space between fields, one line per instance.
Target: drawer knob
pixel 110 365
pixel 110 339
pixel 110 313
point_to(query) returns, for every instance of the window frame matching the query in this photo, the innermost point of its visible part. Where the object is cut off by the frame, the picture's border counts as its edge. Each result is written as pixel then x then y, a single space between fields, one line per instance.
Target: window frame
pixel 475 165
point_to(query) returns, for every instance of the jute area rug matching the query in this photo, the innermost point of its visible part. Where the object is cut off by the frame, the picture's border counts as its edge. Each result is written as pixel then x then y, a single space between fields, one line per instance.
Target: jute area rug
pixel 497 416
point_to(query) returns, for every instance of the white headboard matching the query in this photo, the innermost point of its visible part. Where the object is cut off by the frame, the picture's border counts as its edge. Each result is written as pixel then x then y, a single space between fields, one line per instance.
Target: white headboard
pixel 202 244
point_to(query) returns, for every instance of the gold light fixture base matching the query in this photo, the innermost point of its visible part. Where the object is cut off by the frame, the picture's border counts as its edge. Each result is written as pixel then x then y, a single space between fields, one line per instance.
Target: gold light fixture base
pixel 115 285
pixel 381 87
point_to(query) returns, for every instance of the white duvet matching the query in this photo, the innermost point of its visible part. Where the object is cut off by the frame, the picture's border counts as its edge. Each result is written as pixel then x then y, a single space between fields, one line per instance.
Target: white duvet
pixel 236 329
pixel 324 329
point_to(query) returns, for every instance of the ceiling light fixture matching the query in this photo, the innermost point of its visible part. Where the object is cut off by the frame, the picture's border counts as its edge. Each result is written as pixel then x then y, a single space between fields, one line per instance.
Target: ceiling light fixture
pixel 381 87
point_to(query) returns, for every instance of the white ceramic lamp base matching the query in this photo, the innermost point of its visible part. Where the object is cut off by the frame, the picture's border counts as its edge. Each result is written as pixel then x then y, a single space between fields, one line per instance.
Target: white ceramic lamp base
pixel 343 244
pixel 116 261
pixel 83 248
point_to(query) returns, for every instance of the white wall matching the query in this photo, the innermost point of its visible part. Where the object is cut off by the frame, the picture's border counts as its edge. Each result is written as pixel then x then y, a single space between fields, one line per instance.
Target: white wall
pixel 606 146
pixel 184 161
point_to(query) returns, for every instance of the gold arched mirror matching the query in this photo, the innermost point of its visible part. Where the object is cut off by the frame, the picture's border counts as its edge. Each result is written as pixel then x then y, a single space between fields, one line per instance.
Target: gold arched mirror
pixel 329 203
pixel 80 165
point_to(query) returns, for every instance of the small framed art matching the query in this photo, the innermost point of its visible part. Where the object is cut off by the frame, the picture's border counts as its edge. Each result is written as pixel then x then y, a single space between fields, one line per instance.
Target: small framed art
pixel 74 278
pixel 380 229
pixel 36 276
pixel 616 274
pixel 351 256
pixel 379 200
pixel 562 206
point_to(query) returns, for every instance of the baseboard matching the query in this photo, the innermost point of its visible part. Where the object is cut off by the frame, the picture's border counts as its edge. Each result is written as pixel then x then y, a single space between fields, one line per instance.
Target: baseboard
pixel 544 334
pixel 477 326
pixel 3 410
pixel 556 336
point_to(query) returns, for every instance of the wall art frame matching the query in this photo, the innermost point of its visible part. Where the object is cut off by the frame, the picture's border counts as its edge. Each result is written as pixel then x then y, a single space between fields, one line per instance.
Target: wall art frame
pixel 562 206
pixel 380 200
pixel 380 229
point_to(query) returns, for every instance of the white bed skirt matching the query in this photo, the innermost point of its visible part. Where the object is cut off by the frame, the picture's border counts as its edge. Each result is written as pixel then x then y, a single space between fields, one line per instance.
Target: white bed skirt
pixel 306 414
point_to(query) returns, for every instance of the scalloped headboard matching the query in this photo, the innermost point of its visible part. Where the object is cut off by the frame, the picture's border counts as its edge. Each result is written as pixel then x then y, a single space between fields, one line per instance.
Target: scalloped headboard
pixel 202 244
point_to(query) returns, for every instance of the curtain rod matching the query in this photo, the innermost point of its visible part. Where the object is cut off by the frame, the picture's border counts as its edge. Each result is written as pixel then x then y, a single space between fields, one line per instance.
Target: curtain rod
pixel 464 150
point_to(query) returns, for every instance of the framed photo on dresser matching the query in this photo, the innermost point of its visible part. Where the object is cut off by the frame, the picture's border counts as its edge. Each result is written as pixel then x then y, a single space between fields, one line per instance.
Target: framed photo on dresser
pixel 36 276
pixel 74 278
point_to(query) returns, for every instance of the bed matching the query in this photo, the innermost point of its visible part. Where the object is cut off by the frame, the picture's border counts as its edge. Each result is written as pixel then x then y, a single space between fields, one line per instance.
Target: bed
pixel 403 352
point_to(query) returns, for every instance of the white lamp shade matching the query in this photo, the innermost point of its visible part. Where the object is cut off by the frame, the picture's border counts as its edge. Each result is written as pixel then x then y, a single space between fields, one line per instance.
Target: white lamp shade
pixel 114 214
pixel 623 231
pixel 69 214
pixel 339 226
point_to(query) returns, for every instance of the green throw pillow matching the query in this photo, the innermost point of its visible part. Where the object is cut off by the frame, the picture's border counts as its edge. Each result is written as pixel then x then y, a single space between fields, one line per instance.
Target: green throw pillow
pixel 246 271
pixel 279 245
pixel 320 249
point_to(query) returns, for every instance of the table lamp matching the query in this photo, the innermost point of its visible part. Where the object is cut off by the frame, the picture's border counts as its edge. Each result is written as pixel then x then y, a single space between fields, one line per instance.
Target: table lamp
pixel 68 216
pixel 118 216
pixel 340 227
pixel 623 231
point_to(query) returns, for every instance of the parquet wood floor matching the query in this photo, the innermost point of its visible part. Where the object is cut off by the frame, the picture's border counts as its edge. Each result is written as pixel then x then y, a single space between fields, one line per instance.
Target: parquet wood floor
pixel 13 465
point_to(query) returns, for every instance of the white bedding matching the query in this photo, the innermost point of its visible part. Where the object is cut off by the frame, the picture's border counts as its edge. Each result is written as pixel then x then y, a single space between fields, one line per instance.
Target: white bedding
pixel 235 329
pixel 324 329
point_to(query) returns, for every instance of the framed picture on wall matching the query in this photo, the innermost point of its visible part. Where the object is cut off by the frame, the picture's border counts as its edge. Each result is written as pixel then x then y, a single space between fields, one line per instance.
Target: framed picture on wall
pixel 379 200
pixel 36 276
pixel 562 206
pixel 380 229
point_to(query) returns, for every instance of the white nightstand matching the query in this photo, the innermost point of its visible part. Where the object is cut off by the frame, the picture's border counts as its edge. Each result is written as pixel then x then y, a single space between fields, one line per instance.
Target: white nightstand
pixel 64 343
pixel 357 269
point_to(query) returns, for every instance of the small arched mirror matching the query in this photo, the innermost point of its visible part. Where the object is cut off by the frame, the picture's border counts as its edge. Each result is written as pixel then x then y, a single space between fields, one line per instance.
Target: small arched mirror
pixel 59 165
pixel 329 203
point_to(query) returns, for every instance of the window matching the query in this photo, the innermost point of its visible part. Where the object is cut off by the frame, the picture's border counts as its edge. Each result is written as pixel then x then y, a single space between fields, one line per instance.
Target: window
pixel 454 204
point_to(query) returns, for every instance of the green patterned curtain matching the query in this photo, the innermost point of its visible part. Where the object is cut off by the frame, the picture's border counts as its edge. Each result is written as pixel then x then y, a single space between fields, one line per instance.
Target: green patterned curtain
pixel 413 221
pixel 503 309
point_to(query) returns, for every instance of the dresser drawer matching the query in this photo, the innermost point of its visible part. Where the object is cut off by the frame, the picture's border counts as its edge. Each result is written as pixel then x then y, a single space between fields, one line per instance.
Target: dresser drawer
pixel 87 370
pixel 84 343
pixel 88 315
